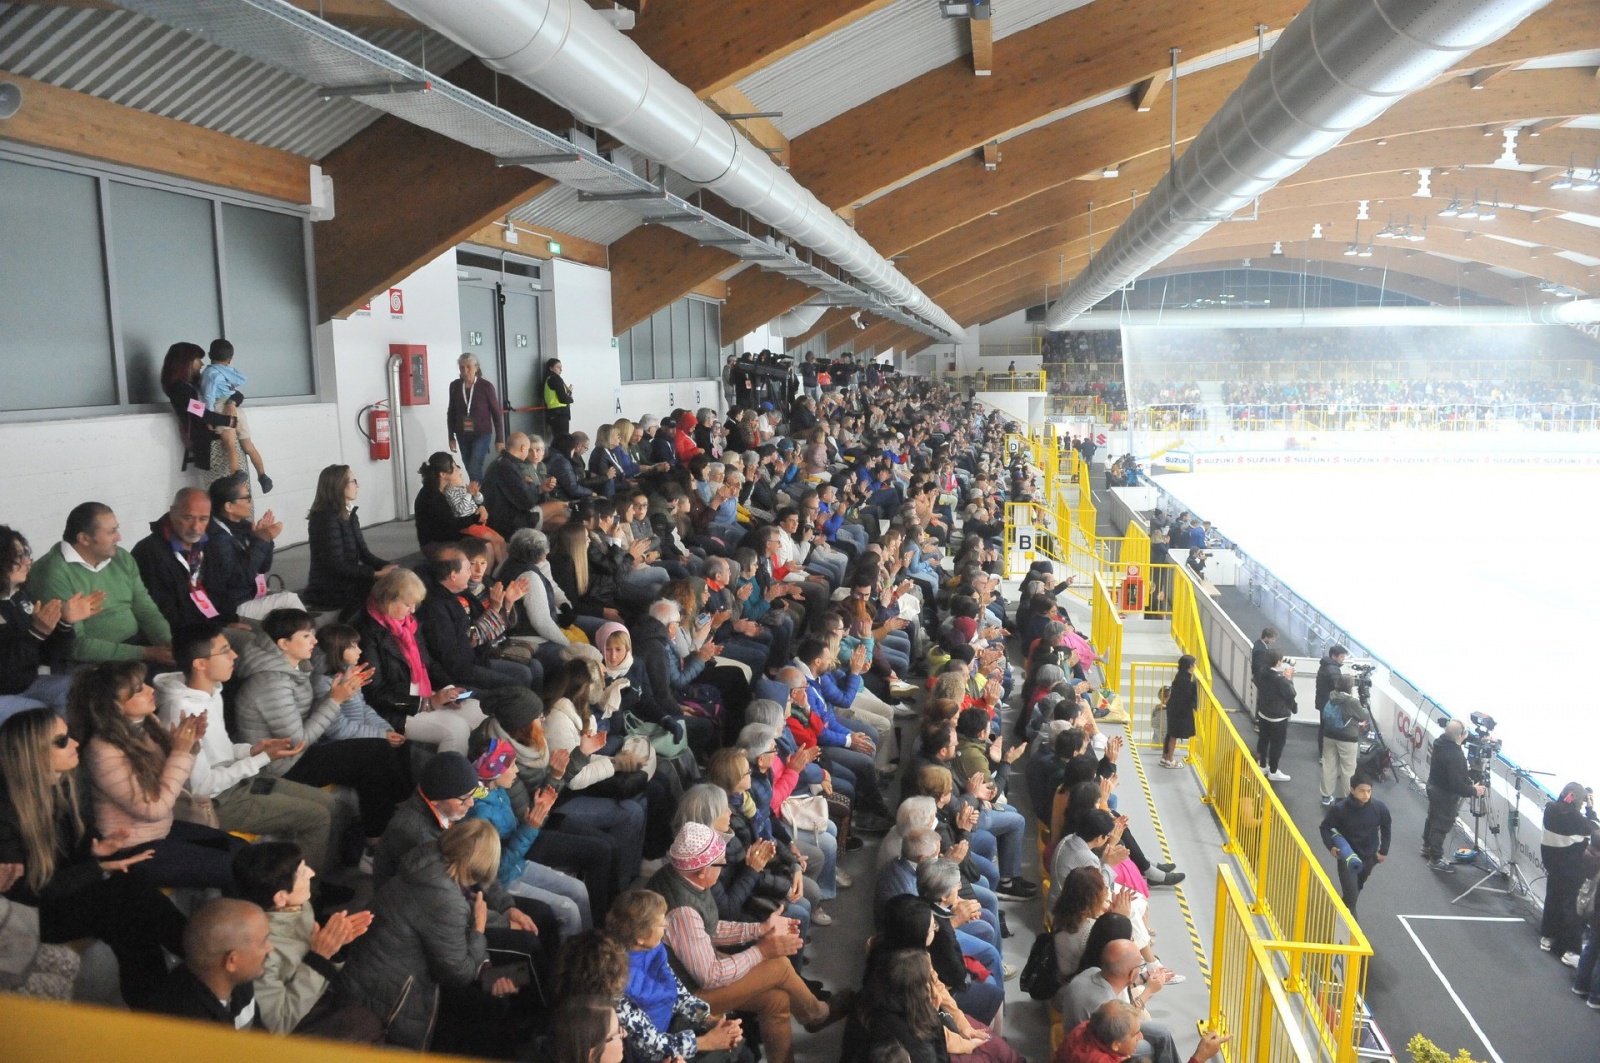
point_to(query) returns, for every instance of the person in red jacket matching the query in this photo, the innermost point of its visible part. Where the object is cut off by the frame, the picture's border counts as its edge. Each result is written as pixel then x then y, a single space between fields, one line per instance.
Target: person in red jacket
pixel 683 444
pixel 1111 1034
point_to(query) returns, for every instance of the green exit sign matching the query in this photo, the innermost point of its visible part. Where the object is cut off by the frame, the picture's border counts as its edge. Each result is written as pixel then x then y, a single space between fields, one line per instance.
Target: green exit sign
pixel 555 248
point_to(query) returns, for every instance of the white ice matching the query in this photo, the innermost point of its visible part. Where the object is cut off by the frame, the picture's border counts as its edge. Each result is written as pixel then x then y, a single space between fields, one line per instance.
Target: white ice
pixel 1481 586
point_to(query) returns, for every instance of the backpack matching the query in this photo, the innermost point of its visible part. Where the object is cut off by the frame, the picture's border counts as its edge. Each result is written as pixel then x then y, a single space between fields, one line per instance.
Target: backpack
pixel 1586 894
pixel 1336 726
pixel 1040 977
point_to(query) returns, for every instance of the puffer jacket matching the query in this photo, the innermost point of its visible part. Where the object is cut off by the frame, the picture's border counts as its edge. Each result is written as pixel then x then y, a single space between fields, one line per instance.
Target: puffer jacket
pixel 563 729
pixel 342 568
pixel 277 701
pixel 421 939
pixel 22 651
pixel 444 622
pixel 653 649
pixel 1354 714
pixel 414 827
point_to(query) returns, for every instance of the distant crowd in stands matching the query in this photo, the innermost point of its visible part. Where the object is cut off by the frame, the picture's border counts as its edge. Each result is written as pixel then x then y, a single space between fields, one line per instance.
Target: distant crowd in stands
pixel 1410 393
pixel 575 784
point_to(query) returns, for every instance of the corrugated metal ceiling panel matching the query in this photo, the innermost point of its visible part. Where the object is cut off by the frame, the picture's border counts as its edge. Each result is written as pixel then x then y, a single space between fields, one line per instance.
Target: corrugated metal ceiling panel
pixel 140 63
pixel 561 210
pixel 891 46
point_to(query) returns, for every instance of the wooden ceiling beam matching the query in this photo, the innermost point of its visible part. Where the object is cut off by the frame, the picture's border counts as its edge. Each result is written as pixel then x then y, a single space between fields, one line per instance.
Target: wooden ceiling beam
pixel 759 131
pixel 1145 93
pixel 981 32
pixel 711 45
pixel 92 128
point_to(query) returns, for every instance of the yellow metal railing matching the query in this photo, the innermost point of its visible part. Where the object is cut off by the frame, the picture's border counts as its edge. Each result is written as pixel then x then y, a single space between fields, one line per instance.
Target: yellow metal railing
pixel 1545 369
pixel 1320 952
pixel 1186 630
pixel 1105 632
pixel 1156 600
pixel 1248 1003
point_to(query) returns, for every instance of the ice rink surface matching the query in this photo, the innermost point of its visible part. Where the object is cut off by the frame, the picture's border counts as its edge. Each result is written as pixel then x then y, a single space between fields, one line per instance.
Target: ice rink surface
pixel 1479 585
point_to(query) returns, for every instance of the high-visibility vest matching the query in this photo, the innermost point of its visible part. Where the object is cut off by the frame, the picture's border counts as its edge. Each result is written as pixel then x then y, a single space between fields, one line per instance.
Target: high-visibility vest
pixel 551 400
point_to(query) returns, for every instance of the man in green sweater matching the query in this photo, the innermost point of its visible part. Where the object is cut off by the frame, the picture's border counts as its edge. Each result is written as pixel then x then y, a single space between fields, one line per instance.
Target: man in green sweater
pixel 129 627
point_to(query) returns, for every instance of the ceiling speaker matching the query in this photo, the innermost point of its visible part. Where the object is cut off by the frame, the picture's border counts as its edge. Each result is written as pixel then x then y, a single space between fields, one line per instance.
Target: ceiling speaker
pixel 10 99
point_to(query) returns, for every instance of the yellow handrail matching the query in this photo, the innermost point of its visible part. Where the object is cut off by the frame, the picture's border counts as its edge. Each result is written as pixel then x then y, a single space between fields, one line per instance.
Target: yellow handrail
pixel 1247 1002
pixel 1186 630
pixel 1324 953
pixel 1105 632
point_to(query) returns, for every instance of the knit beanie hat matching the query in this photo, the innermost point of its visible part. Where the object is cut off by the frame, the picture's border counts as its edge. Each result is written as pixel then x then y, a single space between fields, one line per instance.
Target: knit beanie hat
pixel 695 847
pixel 448 776
pixel 500 756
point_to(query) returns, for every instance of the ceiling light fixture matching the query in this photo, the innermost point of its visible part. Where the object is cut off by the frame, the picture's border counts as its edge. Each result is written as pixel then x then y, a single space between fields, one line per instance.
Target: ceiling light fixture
pixel 1588 184
pixel 1491 212
pixel 1111 171
pixel 1453 209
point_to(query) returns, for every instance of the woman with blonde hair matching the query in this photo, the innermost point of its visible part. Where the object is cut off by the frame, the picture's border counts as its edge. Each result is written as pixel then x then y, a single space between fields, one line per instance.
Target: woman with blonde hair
pixel 138 770
pixel 427 933
pixel 76 880
pixel 592 592
pixel 407 688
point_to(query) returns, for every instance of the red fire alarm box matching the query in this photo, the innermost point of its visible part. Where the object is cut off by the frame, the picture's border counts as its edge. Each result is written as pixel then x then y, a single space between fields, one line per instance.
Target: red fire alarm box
pixel 413 372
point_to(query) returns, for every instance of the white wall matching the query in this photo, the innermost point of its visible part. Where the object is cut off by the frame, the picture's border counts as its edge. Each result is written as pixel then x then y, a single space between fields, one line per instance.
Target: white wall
pixel 359 347
pixel 584 343
pixel 130 463
pixel 762 339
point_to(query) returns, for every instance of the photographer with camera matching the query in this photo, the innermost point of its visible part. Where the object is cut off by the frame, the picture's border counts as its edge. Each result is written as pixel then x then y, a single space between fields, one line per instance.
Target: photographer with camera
pixel 1449 783
pixel 1275 703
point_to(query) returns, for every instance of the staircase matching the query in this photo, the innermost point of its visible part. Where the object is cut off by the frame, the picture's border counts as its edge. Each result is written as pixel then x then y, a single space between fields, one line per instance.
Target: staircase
pixel 1217 419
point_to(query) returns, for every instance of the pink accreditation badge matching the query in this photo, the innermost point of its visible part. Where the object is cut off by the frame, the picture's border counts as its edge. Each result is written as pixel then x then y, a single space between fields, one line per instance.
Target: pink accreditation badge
pixel 261 586
pixel 202 602
pixel 196 407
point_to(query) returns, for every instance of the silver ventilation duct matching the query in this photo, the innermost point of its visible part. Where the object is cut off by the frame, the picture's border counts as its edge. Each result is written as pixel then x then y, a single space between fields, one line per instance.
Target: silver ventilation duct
pixel 568 52
pixel 1336 67
pixel 1576 312
pixel 796 321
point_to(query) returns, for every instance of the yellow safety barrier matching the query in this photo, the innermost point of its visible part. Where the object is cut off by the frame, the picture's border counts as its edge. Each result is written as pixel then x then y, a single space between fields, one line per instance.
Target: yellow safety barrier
pixel 1321 952
pixel 1186 630
pixel 1155 602
pixel 1248 1003
pixel 1105 631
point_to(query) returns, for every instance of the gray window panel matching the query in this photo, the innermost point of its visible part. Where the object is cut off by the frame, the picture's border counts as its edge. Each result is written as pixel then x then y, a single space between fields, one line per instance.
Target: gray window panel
pixel 697 337
pixel 661 343
pixel 55 330
pixel 714 329
pixel 268 320
pixel 625 354
pixel 681 341
pixel 163 249
pixel 643 355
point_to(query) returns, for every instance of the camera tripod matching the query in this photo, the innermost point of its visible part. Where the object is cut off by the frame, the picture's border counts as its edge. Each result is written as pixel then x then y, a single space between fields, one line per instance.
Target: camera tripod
pixel 1516 883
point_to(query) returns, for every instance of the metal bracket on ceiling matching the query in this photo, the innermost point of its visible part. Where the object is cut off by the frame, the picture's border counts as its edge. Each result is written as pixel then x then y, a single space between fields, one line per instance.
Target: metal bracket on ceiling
pixel 378 88
pixel 538 160
pixel 617 197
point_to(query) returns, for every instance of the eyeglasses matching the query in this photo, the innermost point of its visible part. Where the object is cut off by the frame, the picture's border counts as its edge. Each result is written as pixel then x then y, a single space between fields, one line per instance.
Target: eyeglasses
pixel 241 498
pixel 60 741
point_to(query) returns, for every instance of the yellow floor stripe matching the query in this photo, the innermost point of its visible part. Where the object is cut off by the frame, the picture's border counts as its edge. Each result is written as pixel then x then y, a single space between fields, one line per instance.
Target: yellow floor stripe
pixel 1166 857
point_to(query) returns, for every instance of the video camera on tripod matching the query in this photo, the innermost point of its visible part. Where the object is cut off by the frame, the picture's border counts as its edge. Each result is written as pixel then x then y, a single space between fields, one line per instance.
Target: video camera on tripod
pixel 1364 683
pixel 1481 749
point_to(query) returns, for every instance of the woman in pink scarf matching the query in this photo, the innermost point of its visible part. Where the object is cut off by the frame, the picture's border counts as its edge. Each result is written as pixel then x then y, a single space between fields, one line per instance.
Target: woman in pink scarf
pixel 403 690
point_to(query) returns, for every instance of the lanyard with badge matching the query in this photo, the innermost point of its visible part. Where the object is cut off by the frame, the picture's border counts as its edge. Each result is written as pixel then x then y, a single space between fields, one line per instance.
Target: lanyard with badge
pixel 197 593
pixel 467 424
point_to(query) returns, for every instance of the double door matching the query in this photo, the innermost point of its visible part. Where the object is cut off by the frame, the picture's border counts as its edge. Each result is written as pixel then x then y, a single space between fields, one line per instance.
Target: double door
pixel 500 325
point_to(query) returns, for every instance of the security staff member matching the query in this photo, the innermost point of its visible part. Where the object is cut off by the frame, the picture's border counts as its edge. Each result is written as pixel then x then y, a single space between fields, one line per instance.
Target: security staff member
pixel 557 401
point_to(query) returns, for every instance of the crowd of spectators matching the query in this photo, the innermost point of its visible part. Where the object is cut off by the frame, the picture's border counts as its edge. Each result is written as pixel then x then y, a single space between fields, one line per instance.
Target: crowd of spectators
pixel 578 772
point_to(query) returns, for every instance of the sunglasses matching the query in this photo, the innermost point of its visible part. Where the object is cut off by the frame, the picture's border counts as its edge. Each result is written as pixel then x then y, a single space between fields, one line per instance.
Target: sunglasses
pixel 60 741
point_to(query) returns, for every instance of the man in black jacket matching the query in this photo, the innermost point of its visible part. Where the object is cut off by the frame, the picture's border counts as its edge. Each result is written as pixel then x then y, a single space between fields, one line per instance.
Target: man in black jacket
pixel 445 622
pixel 1365 826
pixel 189 582
pixel 225 948
pixel 1329 669
pixel 1448 783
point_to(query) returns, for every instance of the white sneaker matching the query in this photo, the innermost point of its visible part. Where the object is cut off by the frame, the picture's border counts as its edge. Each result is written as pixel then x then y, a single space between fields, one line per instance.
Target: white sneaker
pixel 1544 944
pixel 1570 958
pixel 820 918
pixel 1278 776
pixel 843 880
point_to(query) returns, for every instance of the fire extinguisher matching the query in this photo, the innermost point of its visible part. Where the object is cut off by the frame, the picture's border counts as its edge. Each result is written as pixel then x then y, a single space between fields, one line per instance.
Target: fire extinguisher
pixel 1133 589
pixel 376 430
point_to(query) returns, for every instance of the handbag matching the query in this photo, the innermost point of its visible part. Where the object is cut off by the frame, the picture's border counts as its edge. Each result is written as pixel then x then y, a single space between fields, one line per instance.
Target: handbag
pixel 511 650
pixel 192 808
pixel 703 700
pixel 839 813
pixel 639 746
pixel 806 813
pixel 665 743
pixel 620 786
pixel 1041 978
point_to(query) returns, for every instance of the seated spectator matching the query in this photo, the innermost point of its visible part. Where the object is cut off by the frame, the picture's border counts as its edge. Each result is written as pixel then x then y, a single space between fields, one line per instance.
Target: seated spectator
pixel 225 949
pixel 342 568
pixel 584 1030
pixel 566 896
pixel 590 587
pixel 446 621
pixel 844 752
pixel 72 875
pixel 1122 975
pixel 429 928
pixel 188 581
pixel 898 877
pixel 566 467
pixel 88 561
pixel 544 612
pixel 743 868
pixel 513 492
pixel 292 990
pixel 402 688
pixel 654 637
pixel 1084 898
pixel 230 775
pixel 277 700
pixel 981 992
pixel 663 1018
pixel 137 771
pixel 780 877
pixel 338 651
pixel 34 633
pixel 250 543
pixel 436 519
pixel 758 977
